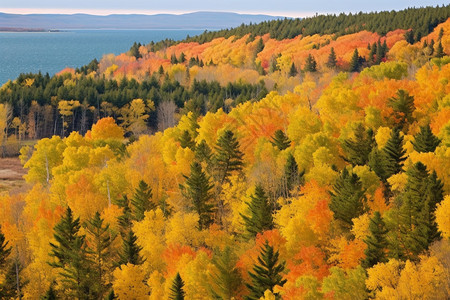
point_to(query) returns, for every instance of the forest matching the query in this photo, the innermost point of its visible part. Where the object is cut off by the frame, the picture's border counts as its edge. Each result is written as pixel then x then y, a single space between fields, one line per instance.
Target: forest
pixel 242 164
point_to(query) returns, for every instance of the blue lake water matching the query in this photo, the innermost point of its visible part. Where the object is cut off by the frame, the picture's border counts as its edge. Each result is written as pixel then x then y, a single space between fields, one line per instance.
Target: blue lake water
pixel 51 52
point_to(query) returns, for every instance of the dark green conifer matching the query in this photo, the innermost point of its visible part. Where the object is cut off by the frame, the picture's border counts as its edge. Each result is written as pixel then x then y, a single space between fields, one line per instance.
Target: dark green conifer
pixel 259 46
pixel 431 47
pixel 260 216
pixel 267 273
pixel 425 140
pixel 173 59
pixel 228 156
pixel 347 198
pixel 50 294
pixel 434 194
pixel 293 178
pixel 142 201
pixel 176 291
pixel 376 242
pixel 359 147
pixel 280 140
pixel 130 252
pixel 403 106
pixel 182 58
pixel 355 62
pixel 198 189
pixel 440 50
pixel 226 279
pixel 13 284
pixel 409 37
pixel 395 154
pixel 293 70
pixel 203 152
pixel 5 251
pixel 186 140
pixel 332 59
pixel 310 64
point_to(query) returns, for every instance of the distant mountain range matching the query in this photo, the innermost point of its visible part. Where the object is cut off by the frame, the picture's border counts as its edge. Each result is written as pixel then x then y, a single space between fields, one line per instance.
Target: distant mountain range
pixel 196 20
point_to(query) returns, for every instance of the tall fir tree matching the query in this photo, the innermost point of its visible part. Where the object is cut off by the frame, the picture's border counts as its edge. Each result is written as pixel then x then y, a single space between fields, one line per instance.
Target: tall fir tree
pixel 226 277
pixel 394 153
pixel 130 252
pixel 177 291
pixel 359 148
pixel 186 140
pixel 376 242
pixel 126 217
pixel 293 70
pixel 348 199
pixel 332 59
pixel 229 157
pixel 260 218
pixel 142 201
pixel 425 140
pixel 310 64
pixel 5 250
pixel 198 189
pixel 440 50
pixel 267 273
pixel 355 63
pixel 403 108
pixel 292 178
pixel 51 293
pixel 12 284
pixel 280 140
pixel 70 256
pixel 434 194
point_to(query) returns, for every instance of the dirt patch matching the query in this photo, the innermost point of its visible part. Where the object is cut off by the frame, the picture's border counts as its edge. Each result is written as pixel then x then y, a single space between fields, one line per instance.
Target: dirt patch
pixel 11 176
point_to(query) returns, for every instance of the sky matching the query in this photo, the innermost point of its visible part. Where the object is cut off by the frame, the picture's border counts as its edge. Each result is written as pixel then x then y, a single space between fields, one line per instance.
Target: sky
pixel 289 8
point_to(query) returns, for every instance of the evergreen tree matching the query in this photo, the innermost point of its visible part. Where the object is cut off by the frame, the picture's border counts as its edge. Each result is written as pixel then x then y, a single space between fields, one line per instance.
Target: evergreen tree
pixel 403 107
pixel 425 140
pixel 186 140
pixel 280 140
pixel 173 59
pixel 376 242
pixel 293 178
pixel 130 252
pixel 359 148
pixel 293 70
pixel 310 64
pixel 431 47
pixel 134 51
pixel 347 198
pixel 100 252
pixel 176 291
pixel 332 59
pixel 434 194
pixel 226 277
pixel 266 274
pixel 5 251
pixel 12 285
pixel 355 62
pixel 203 153
pixel 440 50
pixel 197 189
pixel 394 153
pixel 228 157
pixel 69 253
pixel 182 58
pixel 373 52
pixel 142 201
pixel 259 46
pixel 125 219
pixel 409 37
pixel 50 294
pixel 441 34
pixel 260 218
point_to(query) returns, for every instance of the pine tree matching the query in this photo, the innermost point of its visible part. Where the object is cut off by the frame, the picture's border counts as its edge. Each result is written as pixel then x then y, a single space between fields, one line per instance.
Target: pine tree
pixel 292 177
pixel 228 157
pixel 125 219
pixel 5 251
pixel 394 153
pixel 434 194
pixel 347 198
pixel 100 253
pixel 51 293
pixel 203 154
pixel 280 140
pixel 355 62
pixel 142 201
pixel 182 58
pixel 376 242
pixel 130 252
pixel 12 285
pixel 310 64
pixel 359 148
pixel 425 140
pixel 409 37
pixel 69 253
pixel 373 52
pixel 173 59
pixel 186 140
pixel 197 189
pixel 332 59
pixel 293 70
pixel 403 107
pixel 259 46
pixel 176 291
pixel 266 274
pixel 260 218
pixel 440 50
pixel 226 277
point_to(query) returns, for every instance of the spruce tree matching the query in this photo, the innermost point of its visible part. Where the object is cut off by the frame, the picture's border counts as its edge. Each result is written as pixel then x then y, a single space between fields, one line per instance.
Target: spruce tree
pixel 440 50
pixel 259 46
pixel 228 156
pixel 403 107
pixel 293 70
pixel 12 285
pixel 292 177
pixel 69 253
pixel 226 277
pixel 434 194
pixel 5 251
pixel 142 201
pixel 310 64
pixel 355 62
pixel 198 189
pixel 130 252
pixel 126 218
pixel 425 140
pixel 186 140
pixel 203 154
pixel 50 294
pixel 332 60
pixel 376 242
pixel 280 140
pixel 260 218
pixel 394 153
pixel 359 148
pixel 176 291
pixel 267 273
pixel 347 198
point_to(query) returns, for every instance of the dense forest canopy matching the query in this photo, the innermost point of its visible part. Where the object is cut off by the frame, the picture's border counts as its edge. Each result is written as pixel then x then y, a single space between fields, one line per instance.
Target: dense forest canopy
pixel 245 166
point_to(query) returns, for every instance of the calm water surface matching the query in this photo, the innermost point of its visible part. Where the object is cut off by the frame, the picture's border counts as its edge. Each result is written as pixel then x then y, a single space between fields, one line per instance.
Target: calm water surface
pixel 53 51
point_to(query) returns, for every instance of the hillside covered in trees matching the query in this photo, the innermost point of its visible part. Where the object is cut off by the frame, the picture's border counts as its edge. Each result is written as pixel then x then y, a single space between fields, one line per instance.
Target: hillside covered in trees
pixel 313 165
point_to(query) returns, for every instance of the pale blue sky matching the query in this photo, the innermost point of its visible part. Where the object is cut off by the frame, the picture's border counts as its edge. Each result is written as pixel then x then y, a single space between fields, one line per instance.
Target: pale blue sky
pixel 290 8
